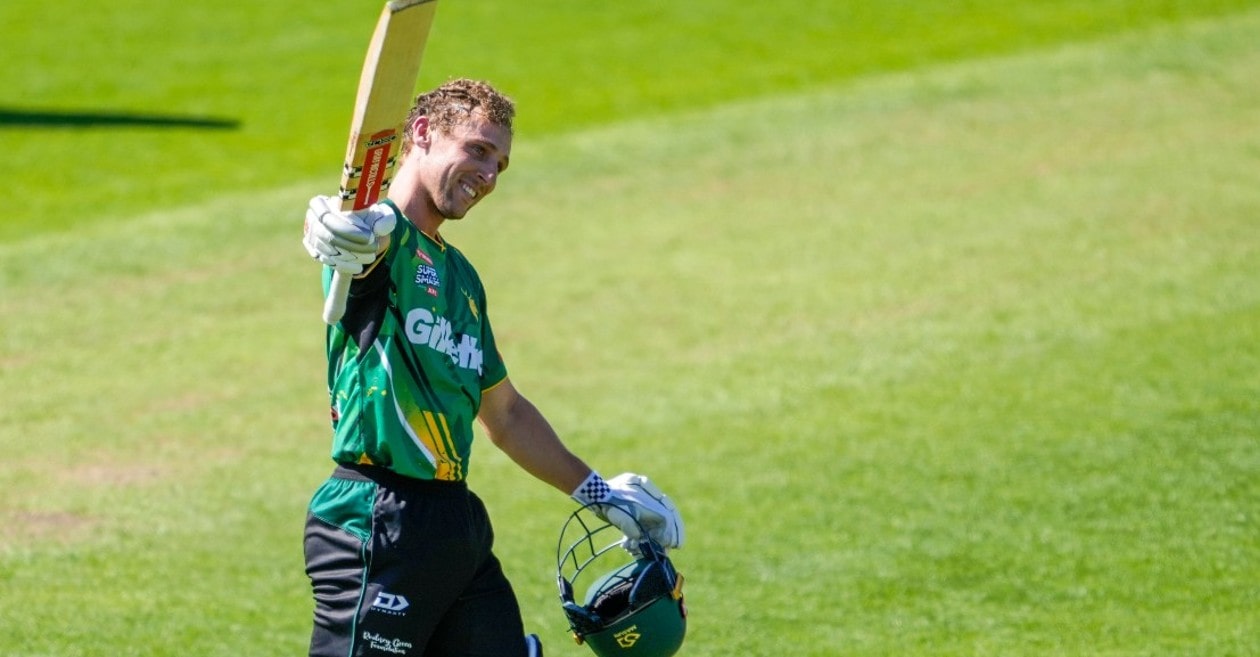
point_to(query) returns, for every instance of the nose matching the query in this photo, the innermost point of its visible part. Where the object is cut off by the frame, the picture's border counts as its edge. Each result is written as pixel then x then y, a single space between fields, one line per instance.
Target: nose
pixel 489 176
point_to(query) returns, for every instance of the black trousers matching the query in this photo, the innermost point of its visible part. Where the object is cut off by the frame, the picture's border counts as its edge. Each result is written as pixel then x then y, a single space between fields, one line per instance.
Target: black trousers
pixel 402 566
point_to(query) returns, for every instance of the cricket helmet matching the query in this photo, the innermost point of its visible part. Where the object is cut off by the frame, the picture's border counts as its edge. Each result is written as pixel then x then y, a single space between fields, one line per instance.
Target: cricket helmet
pixel 633 605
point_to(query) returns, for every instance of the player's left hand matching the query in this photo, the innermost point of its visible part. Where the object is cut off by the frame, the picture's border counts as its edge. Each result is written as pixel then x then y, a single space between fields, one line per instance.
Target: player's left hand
pixel 345 241
pixel 630 501
pixel 655 511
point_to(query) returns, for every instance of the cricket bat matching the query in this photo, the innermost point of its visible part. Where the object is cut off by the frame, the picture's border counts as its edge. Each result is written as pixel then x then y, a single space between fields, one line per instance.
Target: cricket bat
pixel 386 91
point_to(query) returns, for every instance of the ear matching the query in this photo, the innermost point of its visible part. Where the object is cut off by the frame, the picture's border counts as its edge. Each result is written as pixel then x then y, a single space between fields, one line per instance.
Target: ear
pixel 418 132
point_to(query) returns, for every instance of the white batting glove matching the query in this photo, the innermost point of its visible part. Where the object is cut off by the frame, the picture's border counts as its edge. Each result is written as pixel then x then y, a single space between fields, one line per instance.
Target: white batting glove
pixel 630 501
pixel 345 241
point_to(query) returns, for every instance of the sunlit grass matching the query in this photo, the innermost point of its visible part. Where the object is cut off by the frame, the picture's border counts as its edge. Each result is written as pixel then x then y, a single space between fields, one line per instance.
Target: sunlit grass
pixel 953 362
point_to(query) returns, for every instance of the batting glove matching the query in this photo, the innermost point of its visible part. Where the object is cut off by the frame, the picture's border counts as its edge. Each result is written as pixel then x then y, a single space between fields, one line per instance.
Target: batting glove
pixel 345 241
pixel 630 502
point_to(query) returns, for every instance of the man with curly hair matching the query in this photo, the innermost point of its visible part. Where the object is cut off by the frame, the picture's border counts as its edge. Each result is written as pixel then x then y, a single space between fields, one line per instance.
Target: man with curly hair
pixel 398 549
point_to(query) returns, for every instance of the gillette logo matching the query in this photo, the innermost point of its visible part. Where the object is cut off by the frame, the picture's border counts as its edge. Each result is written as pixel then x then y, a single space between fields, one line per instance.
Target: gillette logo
pixel 422 328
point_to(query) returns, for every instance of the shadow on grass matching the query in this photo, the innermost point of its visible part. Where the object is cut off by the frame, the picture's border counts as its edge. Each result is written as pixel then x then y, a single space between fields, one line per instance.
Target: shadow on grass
pixel 11 118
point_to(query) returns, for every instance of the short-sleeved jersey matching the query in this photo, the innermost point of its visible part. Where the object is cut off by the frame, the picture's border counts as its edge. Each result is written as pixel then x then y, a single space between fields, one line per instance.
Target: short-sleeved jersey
pixel 409 360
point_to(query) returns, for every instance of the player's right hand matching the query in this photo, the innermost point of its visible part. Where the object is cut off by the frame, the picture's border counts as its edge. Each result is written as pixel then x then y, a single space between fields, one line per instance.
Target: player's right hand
pixel 345 241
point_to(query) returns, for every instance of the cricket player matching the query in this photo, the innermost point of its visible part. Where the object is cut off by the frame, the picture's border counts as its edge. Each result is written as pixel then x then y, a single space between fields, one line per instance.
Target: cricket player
pixel 399 551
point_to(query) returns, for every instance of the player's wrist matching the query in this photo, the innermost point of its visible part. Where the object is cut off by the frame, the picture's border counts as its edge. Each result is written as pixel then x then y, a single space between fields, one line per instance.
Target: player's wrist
pixel 592 490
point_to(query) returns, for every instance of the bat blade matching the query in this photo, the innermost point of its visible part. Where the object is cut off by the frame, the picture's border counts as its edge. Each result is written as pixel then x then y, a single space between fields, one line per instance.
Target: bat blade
pixel 386 88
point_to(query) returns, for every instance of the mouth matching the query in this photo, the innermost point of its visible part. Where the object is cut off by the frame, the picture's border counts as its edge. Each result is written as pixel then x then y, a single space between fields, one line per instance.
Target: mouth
pixel 469 190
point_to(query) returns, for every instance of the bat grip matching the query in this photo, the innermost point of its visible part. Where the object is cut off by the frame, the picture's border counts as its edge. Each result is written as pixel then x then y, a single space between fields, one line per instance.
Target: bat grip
pixel 335 302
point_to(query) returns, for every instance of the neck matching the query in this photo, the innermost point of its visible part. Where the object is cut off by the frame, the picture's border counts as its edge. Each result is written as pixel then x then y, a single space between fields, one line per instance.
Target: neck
pixel 415 207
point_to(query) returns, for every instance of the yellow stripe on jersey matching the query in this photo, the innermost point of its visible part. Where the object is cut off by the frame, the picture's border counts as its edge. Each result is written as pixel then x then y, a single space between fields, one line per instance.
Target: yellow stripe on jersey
pixel 450 442
pixel 448 466
pixel 430 433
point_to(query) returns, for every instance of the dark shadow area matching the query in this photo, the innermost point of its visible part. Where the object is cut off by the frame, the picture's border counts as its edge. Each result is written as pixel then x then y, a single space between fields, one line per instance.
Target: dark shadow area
pixel 15 118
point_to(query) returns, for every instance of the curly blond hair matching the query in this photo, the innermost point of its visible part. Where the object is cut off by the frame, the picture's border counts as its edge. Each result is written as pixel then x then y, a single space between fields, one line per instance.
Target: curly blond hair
pixel 455 102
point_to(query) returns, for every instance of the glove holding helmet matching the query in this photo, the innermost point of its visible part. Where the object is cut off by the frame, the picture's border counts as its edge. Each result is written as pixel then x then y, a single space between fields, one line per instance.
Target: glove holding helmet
pixel 633 504
pixel 633 603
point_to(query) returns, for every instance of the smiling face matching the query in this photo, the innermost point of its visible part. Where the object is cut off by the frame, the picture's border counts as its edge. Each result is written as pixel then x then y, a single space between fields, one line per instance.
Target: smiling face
pixel 461 165
pixel 458 142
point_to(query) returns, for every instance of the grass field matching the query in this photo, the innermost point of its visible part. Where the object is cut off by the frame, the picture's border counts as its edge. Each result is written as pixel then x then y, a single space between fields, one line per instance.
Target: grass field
pixel 258 95
pixel 946 346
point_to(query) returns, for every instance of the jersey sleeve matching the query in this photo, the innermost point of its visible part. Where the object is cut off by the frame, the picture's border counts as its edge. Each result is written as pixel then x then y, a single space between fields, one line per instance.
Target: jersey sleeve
pixel 494 370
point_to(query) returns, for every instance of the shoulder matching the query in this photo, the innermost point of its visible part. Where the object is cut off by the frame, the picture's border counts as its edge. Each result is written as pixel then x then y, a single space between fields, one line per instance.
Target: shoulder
pixel 455 255
pixel 462 265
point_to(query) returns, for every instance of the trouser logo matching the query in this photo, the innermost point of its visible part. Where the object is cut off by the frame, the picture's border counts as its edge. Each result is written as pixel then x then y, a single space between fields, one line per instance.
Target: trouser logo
pixel 390 603
pixel 383 644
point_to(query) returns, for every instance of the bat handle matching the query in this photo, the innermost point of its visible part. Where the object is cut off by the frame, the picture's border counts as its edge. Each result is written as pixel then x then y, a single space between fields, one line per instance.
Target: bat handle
pixel 335 302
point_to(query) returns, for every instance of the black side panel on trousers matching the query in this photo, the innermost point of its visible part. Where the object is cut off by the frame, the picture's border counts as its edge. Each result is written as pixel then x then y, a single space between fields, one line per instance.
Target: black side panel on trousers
pixel 335 562
pixel 426 584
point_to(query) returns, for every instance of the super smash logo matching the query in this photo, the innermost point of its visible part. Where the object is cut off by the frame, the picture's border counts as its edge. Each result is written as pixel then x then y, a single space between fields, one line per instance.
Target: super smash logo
pixel 427 275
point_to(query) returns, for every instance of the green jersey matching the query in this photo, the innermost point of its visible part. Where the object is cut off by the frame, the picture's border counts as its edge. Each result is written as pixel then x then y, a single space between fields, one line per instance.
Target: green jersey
pixel 410 359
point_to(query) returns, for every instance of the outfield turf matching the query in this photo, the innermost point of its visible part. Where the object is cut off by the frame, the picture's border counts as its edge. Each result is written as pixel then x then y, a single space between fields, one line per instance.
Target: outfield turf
pixel 952 355
pixel 257 95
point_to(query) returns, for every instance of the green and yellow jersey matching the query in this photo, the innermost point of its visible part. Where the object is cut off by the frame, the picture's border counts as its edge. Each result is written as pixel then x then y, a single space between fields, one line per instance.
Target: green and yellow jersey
pixel 410 359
